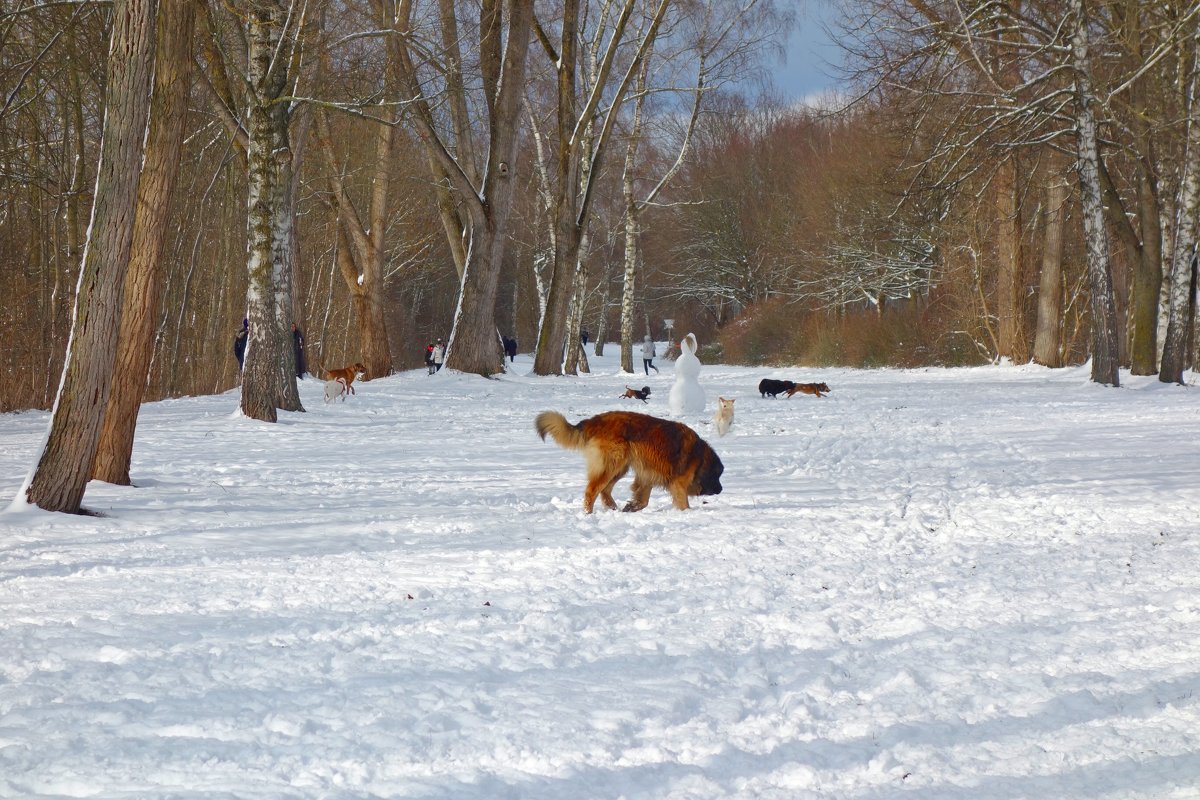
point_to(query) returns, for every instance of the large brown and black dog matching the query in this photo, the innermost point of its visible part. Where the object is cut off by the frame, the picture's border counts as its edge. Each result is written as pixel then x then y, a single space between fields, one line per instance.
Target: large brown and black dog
pixel 661 453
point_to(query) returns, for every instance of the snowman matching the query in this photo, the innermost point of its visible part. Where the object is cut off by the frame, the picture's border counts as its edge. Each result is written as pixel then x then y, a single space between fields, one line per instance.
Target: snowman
pixel 686 395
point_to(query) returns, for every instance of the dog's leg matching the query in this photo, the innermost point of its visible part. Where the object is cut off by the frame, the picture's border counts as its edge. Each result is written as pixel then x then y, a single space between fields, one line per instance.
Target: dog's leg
pixel 679 494
pixel 606 493
pixel 641 495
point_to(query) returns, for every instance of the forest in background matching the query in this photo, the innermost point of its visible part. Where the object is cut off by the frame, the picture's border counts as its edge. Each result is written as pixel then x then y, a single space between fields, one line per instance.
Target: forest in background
pixel 933 213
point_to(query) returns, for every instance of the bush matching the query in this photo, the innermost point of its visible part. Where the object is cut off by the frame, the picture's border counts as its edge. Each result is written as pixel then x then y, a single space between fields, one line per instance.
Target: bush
pixel 905 335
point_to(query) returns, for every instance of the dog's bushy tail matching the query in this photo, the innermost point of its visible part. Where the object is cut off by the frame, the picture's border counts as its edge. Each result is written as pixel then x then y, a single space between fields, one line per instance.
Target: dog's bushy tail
pixel 564 433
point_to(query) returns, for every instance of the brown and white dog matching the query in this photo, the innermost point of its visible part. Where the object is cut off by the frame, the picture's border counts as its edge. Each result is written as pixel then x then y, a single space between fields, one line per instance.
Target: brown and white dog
pixel 347 375
pixel 334 389
pixel 660 452
pixel 809 388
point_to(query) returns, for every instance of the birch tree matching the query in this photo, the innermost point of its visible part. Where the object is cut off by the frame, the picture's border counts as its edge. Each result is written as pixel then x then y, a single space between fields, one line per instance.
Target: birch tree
pixel 1105 357
pixel 1181 304
pixel 260 116
pixel 64 465
pixel 578 159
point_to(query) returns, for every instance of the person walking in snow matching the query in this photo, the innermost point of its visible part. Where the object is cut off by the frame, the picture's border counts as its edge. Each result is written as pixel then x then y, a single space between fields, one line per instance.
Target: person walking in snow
pixel 648 354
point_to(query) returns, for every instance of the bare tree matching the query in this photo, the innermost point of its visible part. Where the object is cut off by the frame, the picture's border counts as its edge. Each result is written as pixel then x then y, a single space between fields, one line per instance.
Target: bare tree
pixel 577 163
pixel 144 279
pixel 480 225
pixel 64 466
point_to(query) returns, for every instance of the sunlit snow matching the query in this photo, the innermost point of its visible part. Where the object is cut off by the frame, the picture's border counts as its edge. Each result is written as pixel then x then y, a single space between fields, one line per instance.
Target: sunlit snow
pixel 971 583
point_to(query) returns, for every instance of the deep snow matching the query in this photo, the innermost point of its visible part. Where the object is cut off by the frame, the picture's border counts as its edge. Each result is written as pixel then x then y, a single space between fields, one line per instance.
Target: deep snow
pixel 972 583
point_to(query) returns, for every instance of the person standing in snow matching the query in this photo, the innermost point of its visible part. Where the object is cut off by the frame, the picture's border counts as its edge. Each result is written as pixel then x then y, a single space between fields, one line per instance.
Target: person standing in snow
pixel 648 354
pixel 436 357
pixel 298 346
pixel 239 343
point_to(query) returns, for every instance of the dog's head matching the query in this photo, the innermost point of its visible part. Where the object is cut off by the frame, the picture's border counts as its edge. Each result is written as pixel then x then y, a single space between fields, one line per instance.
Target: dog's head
pixel 359 370
pixel 824 387
pixel 707 477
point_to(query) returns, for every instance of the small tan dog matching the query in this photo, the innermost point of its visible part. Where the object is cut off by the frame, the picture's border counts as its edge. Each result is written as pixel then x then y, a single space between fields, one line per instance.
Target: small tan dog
pixel 347 375
pixel 723 419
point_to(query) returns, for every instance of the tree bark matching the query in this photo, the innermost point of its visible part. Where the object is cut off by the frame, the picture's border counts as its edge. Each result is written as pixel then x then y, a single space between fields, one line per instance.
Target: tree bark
pixel 1180 306
pixel 264 360
pixel 143 282
pixel 60 478
pixel 1010 279
pixel 1105 356
pixel 1047 347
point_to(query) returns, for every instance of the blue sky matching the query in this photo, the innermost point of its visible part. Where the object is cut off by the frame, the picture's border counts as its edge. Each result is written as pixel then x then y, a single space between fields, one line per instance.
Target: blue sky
pixel 806 69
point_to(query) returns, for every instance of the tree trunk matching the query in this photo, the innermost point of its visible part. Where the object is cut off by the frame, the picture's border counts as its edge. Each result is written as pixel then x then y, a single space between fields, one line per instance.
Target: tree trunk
pixel 1179 305
pixel 1047 347
pixel 1010 282
pixel 474 344
pixel 262 372
pixel 65 464
pixel 629 286
pixel 362 270
pixel 1105 356
pixel 143 283
pixel 285 198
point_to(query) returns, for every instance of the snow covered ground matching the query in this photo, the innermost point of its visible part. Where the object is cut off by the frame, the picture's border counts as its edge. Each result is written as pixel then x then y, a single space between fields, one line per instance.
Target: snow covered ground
pixel 971 583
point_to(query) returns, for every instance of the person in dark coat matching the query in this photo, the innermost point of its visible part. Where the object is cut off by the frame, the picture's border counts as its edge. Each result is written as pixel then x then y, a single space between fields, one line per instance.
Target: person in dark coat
pixel 429 357
pixel 584 335
pixel 510 349
pixel 298 345
pixel 239 343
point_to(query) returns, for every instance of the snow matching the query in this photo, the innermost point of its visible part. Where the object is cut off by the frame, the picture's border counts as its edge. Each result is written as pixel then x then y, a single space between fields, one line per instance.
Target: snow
pixel 972 583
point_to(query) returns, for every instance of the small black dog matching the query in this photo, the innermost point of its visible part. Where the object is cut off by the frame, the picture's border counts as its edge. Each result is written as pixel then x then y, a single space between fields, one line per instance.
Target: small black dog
pixel 770 386
pixel 640 394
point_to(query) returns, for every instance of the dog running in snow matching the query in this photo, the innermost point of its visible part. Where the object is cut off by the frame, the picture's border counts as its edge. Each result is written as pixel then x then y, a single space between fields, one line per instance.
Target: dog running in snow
pixel 660 452
pixel 818 389
pixel 770 386
pixel 640 394
pixel 347 375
